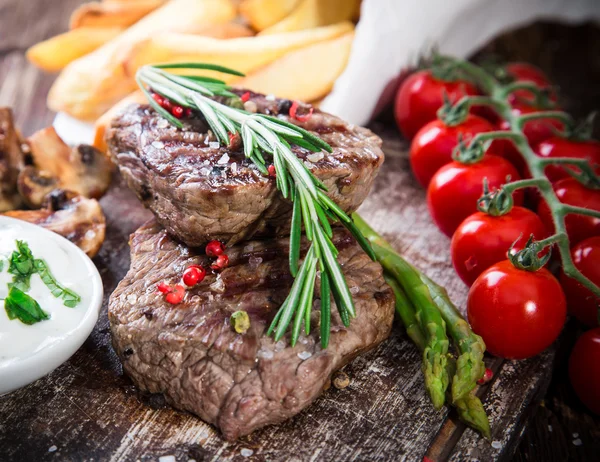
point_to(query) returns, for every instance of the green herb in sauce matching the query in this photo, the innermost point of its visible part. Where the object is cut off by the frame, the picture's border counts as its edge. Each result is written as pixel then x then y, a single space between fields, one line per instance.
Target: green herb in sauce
pixel 21 306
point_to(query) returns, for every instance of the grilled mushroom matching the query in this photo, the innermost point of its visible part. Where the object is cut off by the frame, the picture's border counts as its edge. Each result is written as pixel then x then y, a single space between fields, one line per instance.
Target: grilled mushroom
pixel 82 169
pixel 11 161
pixel 34 185
pixel 77 218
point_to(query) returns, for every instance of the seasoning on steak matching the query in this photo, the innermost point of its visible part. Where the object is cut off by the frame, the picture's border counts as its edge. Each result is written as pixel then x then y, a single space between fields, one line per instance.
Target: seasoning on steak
pixel 201 191
pixel 191 353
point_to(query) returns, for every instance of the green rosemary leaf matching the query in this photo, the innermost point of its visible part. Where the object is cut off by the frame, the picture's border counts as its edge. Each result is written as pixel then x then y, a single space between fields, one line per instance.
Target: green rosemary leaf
pixel 294 296
pixel 212 119
pixel 324 221
pixel 204 79
pixel 333 207
pixel 276 318
pixel 19 305
pixel 70 298
pixel 281 129
pixel 306 295
pixel 342 309
pixel 164 84
pixel 157 107
pixel 361 239
pixel 247 140
pixel 308 228
pixel 338 282
pixel 295 234
pixel 325 309
pixel 303 144
pixel 1 265
pixel 210 67
pixel 281 175
pixel 187 83
pixel 305 133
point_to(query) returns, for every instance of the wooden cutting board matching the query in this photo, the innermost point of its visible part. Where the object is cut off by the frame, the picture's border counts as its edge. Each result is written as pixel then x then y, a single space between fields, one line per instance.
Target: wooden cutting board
pixel 87 409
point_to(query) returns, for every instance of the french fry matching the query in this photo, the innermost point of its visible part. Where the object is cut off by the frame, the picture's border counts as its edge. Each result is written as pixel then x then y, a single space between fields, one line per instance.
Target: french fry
pixel 315 13
pixel 90 85
pixel 103 121
pixel 261 14
pixel 290 76
pixel 54 54
pixel 246 54
pixel 124 14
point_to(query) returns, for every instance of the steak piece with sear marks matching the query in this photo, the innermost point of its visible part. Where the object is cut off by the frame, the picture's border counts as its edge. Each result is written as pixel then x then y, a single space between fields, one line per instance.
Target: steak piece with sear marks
pixel 190 353
pixel 201 191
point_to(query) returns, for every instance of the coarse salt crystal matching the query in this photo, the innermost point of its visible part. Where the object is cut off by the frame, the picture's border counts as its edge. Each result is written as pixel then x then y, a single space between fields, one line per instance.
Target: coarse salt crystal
pixel 214 145
pixel 316 157
pixel 167 459
pixel 52 448
pixel 549 428
pixel 354 290
pixel 577 442
pixel 162 123
pixel 280 345
pixel 205 171
pixel 254 261
pixel 224 159
pixel 218 285
pixel 158 144
pixel 265 354
pixel 304 355
pixel 496 444
pixel 234 167
pixel 575 435
pixel 131 299
pixel 250 106
pixel 270 97
pixel 246 452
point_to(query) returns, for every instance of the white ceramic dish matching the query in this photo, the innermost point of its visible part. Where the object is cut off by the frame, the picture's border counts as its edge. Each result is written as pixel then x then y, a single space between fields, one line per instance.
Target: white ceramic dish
pixel 24 362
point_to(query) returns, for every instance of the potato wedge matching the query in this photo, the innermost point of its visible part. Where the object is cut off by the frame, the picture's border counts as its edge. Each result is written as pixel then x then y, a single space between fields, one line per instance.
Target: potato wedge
pixel 227 30
pixel 104 120
pixel 54 54
pixel 96 14
pixel 245 54
pixel 282 77
pixel 261 14
pixel 90 85
pixel 315 13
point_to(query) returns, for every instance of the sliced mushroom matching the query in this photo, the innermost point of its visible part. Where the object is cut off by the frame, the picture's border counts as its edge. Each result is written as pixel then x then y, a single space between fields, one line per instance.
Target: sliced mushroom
pixel 75 217
pixel 34 185
pixel 11 161
pixel 82 169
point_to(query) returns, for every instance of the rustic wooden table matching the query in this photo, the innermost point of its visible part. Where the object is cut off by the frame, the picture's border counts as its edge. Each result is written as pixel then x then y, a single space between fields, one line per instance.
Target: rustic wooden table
pixel 87 410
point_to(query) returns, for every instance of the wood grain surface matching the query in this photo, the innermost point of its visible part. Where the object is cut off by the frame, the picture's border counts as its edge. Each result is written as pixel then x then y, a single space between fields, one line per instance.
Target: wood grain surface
pixel 88 410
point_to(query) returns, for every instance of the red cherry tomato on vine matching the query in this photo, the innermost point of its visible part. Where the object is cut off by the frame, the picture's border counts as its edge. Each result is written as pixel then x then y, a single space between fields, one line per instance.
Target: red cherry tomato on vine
pixel 579 227
pixel 581 301
pixel 518 313
pixel 432 146
pixel 584 369
pixel 421 95
pixel 525 72
pixel 561 147
pixel 482 240
pixel 454 190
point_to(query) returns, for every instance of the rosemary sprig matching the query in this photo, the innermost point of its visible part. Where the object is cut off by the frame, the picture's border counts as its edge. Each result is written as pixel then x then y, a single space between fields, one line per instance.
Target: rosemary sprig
pixel 265 136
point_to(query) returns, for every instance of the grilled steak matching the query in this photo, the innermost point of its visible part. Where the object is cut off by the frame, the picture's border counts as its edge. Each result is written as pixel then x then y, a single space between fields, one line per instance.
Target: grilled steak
pixel 190 352
pixel 200 191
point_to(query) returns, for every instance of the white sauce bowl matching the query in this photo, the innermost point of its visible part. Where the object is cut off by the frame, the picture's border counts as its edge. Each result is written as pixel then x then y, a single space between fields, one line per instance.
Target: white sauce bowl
pixel 29 352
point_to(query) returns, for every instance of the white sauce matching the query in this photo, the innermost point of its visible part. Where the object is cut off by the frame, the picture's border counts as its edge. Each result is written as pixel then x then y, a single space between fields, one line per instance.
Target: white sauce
pixel 19 341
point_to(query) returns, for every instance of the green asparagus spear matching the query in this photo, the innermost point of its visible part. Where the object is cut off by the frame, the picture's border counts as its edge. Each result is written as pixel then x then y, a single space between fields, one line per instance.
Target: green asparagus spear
pixel 470 365
pixel 471 346
pixel 407 313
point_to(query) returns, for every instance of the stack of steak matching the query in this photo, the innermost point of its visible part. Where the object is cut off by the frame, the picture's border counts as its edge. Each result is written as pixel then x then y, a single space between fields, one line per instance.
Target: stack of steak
pixel 199 191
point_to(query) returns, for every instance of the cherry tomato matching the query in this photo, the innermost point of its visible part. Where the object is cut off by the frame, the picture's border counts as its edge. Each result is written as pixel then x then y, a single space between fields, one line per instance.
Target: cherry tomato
pixel 561 147
pixel 525 72
pixel 421 95
pixel 432 146
pixel 455 189
pixel 581 301
pixel 584 369
pixel 482 240
pixel 579 227
pixel 518 313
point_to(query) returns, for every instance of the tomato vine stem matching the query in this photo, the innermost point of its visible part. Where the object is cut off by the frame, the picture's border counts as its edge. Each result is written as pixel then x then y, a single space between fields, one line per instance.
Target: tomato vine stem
pixel 497 98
